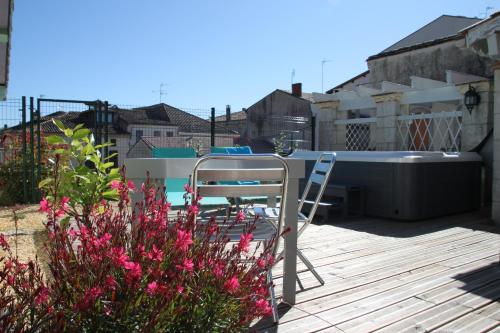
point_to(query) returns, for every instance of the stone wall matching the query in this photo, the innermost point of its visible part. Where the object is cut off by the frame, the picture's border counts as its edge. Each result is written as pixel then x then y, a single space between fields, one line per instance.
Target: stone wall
pixel 430 62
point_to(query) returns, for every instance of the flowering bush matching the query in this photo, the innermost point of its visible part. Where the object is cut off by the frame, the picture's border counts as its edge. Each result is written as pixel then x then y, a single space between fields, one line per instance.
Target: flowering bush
pixel 115 268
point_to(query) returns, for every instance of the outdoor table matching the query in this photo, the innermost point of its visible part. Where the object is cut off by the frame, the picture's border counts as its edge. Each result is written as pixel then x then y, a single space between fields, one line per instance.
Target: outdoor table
pixel 162 168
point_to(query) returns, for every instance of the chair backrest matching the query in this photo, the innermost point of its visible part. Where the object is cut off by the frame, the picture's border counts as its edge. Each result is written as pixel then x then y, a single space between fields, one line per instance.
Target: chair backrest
pixel 319 177
pixel 212 171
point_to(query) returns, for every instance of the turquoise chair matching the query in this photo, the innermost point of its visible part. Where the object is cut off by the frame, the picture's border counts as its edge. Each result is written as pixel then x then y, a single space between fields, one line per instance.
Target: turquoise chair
pixel 243 150
pixel 175 186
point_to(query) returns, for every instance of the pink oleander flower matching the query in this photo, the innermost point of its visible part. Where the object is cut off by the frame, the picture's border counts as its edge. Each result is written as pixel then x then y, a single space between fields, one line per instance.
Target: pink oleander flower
pixel 155 254
pixel 3 242
pixel 180 289
pixel 187 265
pixel 115 184
pixel 261 263
pixel 135 270
pixel 240 216
pixel 188 189
pixel 119 256
pixel 130 185
pixel 183 240
pixel 110 282
pixel 245 240
pixel 152 288
pixel 232 285
pixel 219 269
pixel 42 297
pixel 44 206
pixel 263 307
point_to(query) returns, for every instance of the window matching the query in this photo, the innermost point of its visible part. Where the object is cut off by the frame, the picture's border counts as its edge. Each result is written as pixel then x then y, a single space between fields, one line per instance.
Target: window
pixel 170 134
pixel 138 135
pixel 157 133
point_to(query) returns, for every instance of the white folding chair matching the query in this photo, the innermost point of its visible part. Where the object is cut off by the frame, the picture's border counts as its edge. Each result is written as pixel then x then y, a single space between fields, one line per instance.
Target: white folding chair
pixel 218 175
pixel 319 178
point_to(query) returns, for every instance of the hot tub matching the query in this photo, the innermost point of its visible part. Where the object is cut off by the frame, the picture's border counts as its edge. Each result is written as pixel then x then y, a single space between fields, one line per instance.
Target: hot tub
pixel 408 185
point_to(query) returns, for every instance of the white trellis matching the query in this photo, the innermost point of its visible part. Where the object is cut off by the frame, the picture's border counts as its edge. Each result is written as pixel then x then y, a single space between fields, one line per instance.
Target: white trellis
pixel 431 131
pixel 360 133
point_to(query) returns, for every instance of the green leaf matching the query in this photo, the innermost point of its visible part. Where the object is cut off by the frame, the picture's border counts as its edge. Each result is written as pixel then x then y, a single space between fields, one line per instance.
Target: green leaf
pixel 81 133
pixel 77 127
pixel 68 132
pixel 64 222
pixel 110 195
pixel 59 124
pixel 54 139
pixel 45 182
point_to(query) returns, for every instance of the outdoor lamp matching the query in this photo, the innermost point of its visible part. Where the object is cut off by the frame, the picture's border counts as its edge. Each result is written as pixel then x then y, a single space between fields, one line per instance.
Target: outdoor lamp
pixel 471 98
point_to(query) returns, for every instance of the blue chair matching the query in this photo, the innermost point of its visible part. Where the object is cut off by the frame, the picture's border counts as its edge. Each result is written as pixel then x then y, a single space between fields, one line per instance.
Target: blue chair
pixel 175 186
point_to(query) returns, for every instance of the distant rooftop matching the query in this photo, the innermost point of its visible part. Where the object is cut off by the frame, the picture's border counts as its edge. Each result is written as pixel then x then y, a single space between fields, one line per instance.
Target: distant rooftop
pixel 443 26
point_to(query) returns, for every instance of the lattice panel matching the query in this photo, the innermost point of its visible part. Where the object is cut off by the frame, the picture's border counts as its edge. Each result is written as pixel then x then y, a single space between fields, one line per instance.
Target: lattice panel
pixel 360 137
pixel 431 131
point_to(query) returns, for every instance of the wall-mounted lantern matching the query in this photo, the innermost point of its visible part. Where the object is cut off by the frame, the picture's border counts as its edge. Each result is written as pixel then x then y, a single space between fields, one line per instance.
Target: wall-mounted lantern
pixel 471 98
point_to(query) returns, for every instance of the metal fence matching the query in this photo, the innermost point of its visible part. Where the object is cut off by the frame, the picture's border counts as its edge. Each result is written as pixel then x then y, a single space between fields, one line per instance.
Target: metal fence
pixel 133 131
pixel 360 133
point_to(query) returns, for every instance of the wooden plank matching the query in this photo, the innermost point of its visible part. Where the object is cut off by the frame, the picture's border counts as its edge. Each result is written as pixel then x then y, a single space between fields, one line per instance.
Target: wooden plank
pixel 491 311
pixel 471 322
pixel 446 313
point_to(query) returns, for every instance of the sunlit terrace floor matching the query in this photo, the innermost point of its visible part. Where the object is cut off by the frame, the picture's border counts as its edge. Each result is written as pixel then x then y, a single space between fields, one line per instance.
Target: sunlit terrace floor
pixel 438 275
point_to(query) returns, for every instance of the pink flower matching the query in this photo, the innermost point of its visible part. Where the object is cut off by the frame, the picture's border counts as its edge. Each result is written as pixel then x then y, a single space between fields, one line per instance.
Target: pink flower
pixel 44 205
pixel 188 189
pixel 180 289
pixel 110 282
pixel 240 216
pixel 263 307
pixel 42 297
pixel 3 242
pixel 119 256
pixel 115 184
pixel 64 201
pixel 244 243
pixel 187 265
pixel 232 285
pixel 155 254
pixel 130 185
pixel 152 288
pixel 219 270
pixel 183 240
pixel 134 268
pixel 261 263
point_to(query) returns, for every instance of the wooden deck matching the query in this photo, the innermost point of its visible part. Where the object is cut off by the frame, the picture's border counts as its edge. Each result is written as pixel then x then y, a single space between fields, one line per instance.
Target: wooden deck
pixel 438 275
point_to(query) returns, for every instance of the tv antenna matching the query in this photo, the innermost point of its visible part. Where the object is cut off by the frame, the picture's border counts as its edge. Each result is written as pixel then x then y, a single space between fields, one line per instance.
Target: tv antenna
pixel 323 62
pixel 486 11
pixel 161 92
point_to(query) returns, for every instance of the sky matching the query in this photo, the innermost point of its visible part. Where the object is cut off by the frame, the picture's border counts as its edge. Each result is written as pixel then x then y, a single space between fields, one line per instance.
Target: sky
pixel 208 53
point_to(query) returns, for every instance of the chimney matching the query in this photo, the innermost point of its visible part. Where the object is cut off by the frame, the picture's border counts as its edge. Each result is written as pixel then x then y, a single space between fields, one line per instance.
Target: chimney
pixel 297 89
pixel 228 112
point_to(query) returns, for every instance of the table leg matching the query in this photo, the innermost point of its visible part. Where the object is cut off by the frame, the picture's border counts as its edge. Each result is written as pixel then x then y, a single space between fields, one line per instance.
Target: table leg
pixel 290 260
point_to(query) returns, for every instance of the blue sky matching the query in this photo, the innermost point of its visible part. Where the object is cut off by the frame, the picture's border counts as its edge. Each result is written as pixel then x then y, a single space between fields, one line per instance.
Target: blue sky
pixel 208 53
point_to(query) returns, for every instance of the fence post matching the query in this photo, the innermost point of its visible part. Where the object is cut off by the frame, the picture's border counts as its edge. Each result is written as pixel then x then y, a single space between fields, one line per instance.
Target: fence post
pixel 25 173
pixel 39 144
pixel 212 128
pixel 32 151
pixel 106 129
pixel 313 133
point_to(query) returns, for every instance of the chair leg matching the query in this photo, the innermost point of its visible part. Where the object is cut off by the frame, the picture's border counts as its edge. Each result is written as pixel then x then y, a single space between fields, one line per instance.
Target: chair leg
pixel 274 305
pixel 310 266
